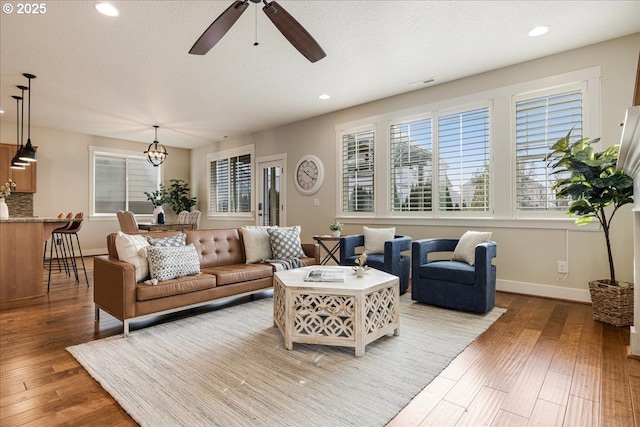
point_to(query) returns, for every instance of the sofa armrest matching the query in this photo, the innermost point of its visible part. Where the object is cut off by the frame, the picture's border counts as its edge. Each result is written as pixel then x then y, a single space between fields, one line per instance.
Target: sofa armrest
pixel 114 287
pixel 312 250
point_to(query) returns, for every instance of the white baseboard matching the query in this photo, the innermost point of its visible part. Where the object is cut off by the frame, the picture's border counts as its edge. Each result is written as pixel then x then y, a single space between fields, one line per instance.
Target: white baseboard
pixel 536 289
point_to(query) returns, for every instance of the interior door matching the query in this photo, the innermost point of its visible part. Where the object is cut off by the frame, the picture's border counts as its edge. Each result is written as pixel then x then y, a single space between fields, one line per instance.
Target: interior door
pixel 271 192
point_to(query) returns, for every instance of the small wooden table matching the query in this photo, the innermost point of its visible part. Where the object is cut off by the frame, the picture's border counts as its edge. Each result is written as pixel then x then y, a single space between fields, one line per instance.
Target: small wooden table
pixel 352 313
pixel 331 252
pixel 164 227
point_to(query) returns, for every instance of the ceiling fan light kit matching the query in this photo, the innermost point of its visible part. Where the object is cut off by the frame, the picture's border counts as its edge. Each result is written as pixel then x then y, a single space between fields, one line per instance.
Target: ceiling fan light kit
pixel 284 22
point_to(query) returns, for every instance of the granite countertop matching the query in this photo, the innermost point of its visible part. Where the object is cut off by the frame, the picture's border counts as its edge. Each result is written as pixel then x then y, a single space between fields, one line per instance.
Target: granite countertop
pixel 35 219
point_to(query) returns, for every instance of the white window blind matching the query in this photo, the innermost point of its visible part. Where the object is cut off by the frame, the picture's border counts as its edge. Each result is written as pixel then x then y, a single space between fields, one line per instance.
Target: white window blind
pixel 230 184
pixel 411 146
pixel 120 181
pixel 540 122
pixel 358 172
pixel 463 151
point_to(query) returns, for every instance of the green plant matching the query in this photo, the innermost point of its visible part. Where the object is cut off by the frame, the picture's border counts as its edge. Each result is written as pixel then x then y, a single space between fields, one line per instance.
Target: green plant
pixel 178 196
pixel 593 184
pixel 336 226
pixel 158 197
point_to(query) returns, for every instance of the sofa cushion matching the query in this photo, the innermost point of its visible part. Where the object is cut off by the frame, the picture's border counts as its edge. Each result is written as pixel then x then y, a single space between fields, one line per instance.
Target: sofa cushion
pixel 257 244
pixel 374 239
pixel 178 286
pixel 171 262
pixel 465 250
pixel 235 273
pixel 449 271
pixel 128 247
pixel 285 243
pixel 217 247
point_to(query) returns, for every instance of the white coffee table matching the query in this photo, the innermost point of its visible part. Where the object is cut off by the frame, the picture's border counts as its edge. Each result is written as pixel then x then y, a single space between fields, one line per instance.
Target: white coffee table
pixel 349 314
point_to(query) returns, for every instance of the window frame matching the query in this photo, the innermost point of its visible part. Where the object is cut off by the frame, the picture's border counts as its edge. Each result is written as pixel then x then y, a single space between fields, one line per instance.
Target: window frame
pixel 228 154
pixel 116 153
pixel 344 212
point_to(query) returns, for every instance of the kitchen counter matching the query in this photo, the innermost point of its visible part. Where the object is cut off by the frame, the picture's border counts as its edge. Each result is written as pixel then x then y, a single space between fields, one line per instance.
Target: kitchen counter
pixel 21 263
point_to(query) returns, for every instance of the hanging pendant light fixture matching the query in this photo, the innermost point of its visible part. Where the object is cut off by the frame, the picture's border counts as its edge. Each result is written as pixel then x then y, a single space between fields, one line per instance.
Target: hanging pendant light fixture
pixel 156 153
pixel 28 153
pixel 16 163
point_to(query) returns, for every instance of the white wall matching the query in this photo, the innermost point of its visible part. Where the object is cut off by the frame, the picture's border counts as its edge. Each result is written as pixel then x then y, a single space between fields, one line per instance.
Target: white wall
pixel 527 257
pixel 63 176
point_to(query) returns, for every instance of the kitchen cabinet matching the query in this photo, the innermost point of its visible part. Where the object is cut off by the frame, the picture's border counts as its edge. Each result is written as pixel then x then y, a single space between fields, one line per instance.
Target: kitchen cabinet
pixel 25 179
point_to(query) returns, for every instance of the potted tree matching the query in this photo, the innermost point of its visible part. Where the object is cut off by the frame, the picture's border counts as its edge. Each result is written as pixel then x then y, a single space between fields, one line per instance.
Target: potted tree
pixel 178 196
pixel 596 190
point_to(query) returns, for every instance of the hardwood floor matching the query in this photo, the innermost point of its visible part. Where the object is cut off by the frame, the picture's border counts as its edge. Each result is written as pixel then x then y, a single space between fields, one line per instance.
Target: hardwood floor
pixel 543 363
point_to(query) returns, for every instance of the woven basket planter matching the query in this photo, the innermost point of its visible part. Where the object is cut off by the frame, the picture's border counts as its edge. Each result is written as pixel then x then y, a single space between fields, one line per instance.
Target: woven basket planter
pixel 612 304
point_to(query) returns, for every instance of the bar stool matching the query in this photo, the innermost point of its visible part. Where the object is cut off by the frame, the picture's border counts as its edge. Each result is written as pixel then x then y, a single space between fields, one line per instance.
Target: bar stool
pixel 69 232
pixel 57 242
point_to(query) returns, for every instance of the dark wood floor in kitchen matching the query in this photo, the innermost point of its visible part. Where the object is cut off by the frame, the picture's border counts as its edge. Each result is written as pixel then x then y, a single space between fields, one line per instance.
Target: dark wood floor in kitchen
pixel 543 363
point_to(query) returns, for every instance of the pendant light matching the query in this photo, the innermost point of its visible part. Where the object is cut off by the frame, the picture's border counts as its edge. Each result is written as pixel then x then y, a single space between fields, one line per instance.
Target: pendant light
pixel 156 153
pixel 28 153
pixel 16 163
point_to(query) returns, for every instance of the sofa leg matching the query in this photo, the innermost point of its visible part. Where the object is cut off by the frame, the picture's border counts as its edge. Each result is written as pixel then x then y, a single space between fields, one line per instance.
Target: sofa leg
pixel 97 315
pixel 126 328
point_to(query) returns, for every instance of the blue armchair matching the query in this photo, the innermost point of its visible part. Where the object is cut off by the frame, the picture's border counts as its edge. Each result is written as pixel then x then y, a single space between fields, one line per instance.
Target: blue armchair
pixel 392 261
pixel 453 284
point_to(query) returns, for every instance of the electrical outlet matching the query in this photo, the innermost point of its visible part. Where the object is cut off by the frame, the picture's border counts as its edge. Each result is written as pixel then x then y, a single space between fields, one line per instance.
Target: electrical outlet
pixel 563 267
pixel 316 202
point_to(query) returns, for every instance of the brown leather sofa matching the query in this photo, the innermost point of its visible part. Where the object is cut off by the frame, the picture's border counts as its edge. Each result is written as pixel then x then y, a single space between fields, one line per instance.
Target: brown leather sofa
pixel 224 274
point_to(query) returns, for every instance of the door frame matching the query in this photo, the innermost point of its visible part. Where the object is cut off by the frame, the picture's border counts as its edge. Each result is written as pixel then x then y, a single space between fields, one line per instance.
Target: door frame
pixel 267 162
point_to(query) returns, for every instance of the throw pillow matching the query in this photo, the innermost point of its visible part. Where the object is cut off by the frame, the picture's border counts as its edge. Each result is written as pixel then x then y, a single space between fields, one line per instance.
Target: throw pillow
pixel 374 239
pixel 285 243
pixel 257 243
pixel 170 241
pixel 466 248
pixel 166 262
pixel 128 246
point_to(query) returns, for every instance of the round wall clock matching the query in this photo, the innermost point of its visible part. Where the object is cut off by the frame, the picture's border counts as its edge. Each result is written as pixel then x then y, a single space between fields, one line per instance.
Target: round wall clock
pixel 309 174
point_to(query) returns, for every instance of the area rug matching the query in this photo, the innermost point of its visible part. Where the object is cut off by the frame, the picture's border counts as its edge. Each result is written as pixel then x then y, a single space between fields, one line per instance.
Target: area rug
pixel 229 368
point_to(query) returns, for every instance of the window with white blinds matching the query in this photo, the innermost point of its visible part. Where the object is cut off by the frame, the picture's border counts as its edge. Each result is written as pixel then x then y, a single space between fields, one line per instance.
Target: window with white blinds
pixel 463 152
pixel 540 122
pixel 411 149
pixel 230 184
pixel 358 171
pixel 119 182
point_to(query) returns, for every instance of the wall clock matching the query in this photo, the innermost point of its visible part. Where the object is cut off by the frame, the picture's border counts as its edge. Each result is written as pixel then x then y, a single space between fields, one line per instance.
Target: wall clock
pixel 309 174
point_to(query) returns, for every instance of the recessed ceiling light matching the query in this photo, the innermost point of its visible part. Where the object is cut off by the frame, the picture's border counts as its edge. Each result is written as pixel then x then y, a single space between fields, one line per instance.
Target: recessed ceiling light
pixel 1 111
pixel 107 9
pixel 538 31
pixel 324 96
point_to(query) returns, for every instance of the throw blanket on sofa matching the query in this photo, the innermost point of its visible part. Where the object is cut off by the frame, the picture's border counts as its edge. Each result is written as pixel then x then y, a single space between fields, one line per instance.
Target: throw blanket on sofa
pixel 284 264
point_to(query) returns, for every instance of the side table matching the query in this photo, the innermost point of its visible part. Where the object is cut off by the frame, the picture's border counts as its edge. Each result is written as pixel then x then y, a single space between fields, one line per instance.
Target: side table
pixel 331 251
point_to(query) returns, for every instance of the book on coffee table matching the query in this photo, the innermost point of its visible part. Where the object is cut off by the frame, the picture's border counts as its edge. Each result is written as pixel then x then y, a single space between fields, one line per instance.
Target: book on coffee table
pixel 324 276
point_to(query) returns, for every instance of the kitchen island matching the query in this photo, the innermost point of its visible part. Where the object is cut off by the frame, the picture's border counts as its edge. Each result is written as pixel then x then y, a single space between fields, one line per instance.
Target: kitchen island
pixel 21 261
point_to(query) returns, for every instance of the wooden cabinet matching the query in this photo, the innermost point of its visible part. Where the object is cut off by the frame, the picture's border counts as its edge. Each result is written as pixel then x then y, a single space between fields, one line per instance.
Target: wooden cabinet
pixel 25 179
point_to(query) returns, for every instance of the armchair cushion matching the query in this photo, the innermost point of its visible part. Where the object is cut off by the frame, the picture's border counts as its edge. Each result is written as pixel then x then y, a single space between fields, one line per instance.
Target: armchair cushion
pixel 449 271
pixel 465 250
pixel 374 239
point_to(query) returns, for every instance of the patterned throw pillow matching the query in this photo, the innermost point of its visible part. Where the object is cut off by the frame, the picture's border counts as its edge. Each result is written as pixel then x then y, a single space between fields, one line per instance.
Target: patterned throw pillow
pixel 167 242
pixel 285 243
pixel 171 262
pixel 466 248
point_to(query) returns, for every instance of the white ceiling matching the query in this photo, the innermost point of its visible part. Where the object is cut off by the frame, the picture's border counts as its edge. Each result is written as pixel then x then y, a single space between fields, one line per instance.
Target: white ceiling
pixel 117 77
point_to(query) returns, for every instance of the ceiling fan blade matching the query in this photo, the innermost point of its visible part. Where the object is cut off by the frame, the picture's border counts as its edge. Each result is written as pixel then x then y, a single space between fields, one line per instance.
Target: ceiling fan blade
pixel 218 28
pixel 294 32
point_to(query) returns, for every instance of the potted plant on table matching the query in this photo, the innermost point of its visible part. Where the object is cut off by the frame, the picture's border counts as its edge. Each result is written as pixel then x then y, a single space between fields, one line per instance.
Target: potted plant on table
pixel 596 190
pixel 157 198
pixel 336 227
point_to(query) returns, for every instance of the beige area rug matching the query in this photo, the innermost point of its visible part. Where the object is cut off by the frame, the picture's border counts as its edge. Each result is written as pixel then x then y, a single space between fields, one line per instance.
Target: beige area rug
pixel 229 368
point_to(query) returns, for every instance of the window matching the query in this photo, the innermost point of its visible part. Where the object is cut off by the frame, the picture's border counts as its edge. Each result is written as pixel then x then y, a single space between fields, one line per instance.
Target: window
pixel 230 181
pixel 463 152
pixel 358 171
pixel 120 179
pixel 411 165
pixel 540 122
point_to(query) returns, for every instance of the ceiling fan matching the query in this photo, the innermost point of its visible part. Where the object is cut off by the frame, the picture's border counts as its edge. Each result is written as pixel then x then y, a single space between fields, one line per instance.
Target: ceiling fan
pixel 286 24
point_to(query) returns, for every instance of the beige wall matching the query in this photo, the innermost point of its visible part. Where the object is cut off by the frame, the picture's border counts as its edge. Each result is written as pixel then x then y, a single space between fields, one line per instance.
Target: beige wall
pixel 63 176
pixel 527 257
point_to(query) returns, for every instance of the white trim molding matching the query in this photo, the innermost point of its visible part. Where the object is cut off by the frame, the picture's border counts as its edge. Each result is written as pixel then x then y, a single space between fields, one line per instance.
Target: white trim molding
pixel 546 291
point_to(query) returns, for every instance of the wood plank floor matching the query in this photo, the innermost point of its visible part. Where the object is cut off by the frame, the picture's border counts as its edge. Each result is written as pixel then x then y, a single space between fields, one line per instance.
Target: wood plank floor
pixel 543 363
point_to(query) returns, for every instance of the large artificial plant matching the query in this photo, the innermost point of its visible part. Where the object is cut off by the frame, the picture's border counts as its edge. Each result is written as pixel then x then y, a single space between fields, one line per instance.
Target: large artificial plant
pixel 594 186
pixel 178 196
